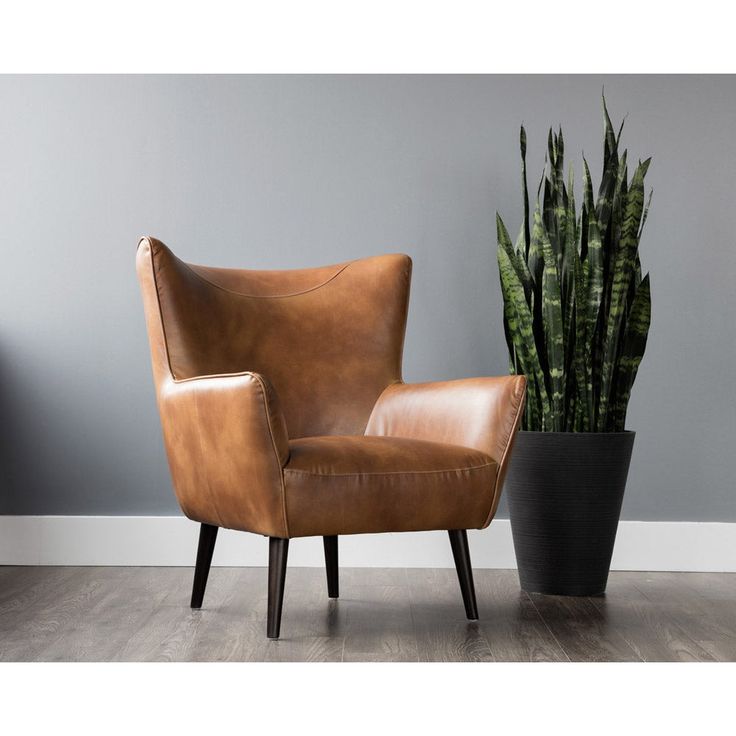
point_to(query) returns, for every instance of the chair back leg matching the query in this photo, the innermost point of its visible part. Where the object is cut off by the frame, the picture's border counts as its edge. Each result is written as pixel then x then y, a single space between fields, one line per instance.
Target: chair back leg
pixel 333 587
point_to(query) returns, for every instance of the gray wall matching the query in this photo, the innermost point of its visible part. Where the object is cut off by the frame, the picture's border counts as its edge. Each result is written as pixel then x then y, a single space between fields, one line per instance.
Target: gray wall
pixel 270 172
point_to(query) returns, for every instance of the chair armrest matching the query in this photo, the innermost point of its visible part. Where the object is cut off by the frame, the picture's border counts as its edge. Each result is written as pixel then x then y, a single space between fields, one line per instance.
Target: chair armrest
pixel 474 412
pixel 227 444
pixel 482 413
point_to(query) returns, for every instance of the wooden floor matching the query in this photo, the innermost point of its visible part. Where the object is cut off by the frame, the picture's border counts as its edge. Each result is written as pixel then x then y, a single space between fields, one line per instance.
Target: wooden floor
pixel 142 614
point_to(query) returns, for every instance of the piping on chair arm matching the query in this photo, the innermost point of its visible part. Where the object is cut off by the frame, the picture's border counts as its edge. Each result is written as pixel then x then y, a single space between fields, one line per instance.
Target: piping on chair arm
pixel 482 413
pixel 227 444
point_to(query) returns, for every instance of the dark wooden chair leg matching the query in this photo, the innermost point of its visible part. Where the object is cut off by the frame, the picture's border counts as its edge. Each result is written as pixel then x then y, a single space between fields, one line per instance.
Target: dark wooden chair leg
pixel 207 539
pixel 333 585
pixel 278 550
pixel 461 553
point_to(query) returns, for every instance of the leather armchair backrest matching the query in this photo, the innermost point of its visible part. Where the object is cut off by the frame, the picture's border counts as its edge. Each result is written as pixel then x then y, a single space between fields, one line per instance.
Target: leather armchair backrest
pixel 329 339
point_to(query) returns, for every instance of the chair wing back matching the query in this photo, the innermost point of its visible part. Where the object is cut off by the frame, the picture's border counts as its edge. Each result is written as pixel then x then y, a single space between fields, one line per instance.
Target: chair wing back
pixel 329 339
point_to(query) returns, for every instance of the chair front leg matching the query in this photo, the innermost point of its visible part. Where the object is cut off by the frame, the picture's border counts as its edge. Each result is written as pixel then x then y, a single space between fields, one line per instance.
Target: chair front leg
pixel 461 554
pixel 205 550
pixel 278 550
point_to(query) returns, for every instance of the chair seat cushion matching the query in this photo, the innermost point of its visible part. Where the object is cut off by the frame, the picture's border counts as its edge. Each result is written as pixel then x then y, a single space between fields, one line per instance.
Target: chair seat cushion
pixel 356 484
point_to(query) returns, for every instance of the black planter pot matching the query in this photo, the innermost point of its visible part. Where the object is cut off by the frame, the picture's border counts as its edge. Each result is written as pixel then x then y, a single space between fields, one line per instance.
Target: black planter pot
pixel 564 491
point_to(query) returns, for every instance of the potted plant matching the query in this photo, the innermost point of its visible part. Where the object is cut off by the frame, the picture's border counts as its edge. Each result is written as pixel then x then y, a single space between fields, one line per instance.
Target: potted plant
pixel 576 318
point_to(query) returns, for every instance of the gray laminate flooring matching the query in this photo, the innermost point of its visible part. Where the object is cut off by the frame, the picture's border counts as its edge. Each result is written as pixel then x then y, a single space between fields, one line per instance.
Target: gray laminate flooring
pixel 142 614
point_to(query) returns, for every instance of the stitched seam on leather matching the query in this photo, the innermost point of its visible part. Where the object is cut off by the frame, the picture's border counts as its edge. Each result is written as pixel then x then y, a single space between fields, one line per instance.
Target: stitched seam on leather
pixel 489 515
pixel 407 294
pixel 509 425
pixel 390 472
pixel 171 372
pixel 214 375
pixel 518 395
pixel 262 296
pixel 158 301
pixel 262 387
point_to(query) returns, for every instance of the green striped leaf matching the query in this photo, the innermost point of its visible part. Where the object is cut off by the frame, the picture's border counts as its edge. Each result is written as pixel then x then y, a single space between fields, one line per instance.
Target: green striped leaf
pixel 567 266
pixel 610 172
pixel 623 270
pixel 632 352
pixel 554 334
pixel 646 214
pixel 525 192
pixel 588 202
pixel 581 300
pixel 518 263
pixel 520 328
pixel 595 261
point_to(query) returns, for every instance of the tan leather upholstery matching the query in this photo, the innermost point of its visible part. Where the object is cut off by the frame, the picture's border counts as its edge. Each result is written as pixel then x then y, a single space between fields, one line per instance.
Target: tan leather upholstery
pixel 348 485
pixel 227 444
pixel 283 410
pixel 483 413
pixel 329 339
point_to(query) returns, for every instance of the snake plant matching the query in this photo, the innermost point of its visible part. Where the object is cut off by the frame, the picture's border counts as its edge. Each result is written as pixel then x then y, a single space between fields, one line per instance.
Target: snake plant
pixel 576 308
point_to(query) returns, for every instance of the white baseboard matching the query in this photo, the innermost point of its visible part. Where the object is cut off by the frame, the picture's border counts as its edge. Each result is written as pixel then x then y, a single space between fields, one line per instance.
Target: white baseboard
pixel 172 540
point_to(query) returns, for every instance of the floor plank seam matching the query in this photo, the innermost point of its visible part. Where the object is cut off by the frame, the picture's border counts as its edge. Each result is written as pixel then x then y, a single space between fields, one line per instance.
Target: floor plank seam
pixel 547 626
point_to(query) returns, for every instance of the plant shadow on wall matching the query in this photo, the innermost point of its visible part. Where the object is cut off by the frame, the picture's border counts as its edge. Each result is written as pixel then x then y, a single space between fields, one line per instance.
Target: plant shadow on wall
pixel 576 318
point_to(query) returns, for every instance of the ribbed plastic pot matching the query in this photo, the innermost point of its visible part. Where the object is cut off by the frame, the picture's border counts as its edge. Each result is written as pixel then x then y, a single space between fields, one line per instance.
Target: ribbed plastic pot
pixel 564 492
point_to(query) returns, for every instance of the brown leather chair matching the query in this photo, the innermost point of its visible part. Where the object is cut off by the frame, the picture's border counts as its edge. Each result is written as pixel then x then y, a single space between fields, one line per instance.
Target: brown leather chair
pixel 284 412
